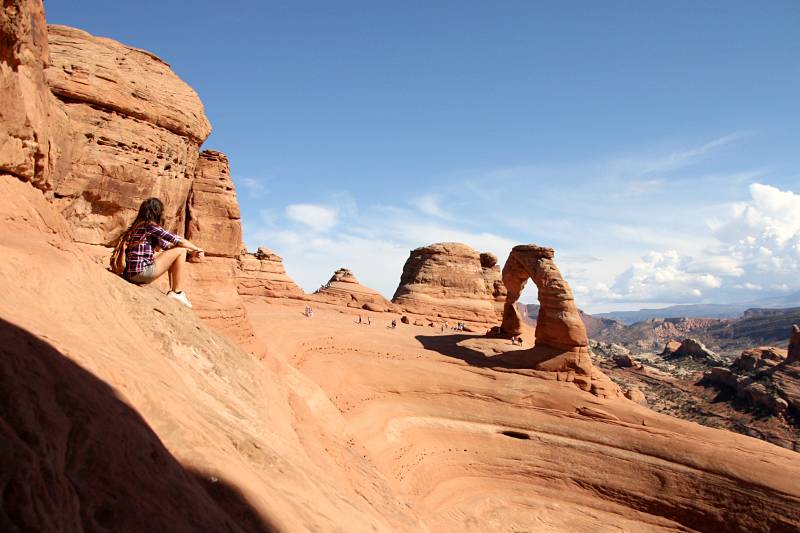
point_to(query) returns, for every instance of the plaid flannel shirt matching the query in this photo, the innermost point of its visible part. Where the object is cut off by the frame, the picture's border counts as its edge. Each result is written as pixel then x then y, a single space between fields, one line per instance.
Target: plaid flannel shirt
pixel 140 247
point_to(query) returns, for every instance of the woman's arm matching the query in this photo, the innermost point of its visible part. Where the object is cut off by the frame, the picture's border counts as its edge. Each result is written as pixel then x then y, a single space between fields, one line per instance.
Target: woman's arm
pixel 185 243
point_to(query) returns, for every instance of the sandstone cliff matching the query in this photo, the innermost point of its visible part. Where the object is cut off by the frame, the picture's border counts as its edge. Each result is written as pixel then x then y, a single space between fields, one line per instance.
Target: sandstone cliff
pixel 132 130
pixel 135 132
pixel 451 280
pixel 33 124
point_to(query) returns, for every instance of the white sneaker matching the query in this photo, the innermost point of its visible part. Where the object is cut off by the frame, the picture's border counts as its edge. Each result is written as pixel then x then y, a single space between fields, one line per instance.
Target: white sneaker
pixel 181 297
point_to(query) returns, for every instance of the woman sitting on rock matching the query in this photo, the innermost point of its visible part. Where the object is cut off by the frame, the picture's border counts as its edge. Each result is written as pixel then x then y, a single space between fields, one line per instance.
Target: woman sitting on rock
pixel 142 266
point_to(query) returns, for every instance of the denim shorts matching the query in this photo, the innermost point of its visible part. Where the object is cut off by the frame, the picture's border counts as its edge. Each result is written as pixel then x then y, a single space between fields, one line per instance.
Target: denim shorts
pixel 147 275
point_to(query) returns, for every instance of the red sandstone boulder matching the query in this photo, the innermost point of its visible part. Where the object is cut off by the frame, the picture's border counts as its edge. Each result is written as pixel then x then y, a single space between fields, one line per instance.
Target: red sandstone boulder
pixel 670 348
pixel 451 280
pixel 696 350
pixel 758 358
pixel 636 395
pixel 720 376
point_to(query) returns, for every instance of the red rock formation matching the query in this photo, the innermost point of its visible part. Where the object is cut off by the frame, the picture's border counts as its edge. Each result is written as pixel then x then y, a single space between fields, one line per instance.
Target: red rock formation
pixel 670 348
pixel 692 348
pixel 561 343
pixel 758 358
pixel 135 132
pixel 451 280
pixel 262 274
pixel 32 121
pixel 135 129
pixel 213 211
pixel 344 289
pixel 793 354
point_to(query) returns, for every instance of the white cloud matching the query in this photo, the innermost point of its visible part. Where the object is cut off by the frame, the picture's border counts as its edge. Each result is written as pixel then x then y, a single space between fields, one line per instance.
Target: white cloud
pixel 638 167
pixel 663 276
pixel 758 249
pixel 252 187
pixel 763 236
pixel 429 204
pixel 319 218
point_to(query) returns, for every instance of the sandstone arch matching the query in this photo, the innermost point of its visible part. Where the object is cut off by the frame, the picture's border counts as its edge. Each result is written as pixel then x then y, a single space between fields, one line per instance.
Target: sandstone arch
pixel 561 343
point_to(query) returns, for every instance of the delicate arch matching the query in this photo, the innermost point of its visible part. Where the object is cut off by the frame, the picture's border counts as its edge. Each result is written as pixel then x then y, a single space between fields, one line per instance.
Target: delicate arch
pixel 561 343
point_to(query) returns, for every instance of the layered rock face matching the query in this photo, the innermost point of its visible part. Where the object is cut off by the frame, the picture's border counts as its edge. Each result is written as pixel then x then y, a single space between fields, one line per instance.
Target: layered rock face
pixel 123 128
pixel 135 132
pixel 561 343
pixel 451 280
pixel 33 124
pixel 262 274
pixel 344 289
pixel 213 211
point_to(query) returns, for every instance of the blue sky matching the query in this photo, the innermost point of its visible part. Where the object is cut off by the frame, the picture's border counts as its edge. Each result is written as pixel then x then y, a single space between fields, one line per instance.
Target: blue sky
pixel 654 145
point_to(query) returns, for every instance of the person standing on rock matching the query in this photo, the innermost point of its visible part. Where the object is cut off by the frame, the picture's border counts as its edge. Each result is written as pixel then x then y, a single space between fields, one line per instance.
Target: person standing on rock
pixel 142 265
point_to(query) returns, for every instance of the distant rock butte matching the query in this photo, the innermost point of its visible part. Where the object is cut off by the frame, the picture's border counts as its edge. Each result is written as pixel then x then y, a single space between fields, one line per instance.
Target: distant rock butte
pixel 451 280
pixel 344 289
pixel 263 274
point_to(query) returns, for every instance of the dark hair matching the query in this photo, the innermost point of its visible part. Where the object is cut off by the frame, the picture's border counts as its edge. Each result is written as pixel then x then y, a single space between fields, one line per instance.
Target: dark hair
pixel 151 210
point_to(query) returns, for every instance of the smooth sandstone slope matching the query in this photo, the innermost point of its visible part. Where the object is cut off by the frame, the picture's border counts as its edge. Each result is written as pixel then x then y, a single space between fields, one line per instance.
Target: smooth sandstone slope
pixel 120 410
pixel 476 446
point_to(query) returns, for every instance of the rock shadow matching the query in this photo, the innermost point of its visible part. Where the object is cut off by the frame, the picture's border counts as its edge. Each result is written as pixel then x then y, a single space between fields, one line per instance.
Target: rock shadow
pixel 514 358
pixel 74 456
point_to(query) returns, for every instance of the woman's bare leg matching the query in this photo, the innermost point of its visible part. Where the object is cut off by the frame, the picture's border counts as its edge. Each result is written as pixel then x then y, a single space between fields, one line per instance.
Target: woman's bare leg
pixel 171 260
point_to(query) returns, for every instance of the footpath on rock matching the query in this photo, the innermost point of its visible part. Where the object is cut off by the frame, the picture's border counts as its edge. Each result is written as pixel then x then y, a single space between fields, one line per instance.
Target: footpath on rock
pixel 121 410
